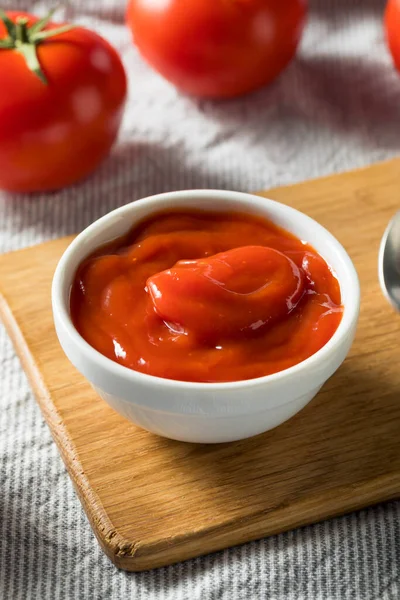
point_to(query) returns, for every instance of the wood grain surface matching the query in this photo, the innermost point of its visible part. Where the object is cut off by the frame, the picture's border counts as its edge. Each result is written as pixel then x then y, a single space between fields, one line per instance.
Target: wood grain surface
pixel 152 501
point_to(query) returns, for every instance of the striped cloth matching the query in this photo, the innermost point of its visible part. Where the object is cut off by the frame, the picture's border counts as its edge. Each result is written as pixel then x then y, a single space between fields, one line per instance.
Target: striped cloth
pixel 336 107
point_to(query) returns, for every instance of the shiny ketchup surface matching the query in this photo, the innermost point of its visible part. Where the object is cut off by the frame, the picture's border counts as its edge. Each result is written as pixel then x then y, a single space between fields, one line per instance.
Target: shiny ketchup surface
pixel 207 297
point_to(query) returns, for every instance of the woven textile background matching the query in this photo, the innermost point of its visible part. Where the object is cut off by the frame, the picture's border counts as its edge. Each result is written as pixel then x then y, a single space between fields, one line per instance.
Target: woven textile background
pixel 336 107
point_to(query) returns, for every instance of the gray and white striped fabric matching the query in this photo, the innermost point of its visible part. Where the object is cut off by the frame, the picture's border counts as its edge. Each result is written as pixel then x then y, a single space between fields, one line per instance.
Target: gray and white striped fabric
pixel 336 107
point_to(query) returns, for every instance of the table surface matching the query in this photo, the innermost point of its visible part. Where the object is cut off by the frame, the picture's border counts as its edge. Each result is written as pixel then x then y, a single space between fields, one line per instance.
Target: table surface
pixel 336 107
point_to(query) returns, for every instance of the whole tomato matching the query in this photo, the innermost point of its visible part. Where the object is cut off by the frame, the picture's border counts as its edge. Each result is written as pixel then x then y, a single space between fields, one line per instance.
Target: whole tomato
pixel 392 26
pixel 63 94
pixel 217 48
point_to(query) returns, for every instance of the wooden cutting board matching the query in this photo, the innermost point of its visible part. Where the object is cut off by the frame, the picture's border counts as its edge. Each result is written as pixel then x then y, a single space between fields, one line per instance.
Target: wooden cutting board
pixel 152 501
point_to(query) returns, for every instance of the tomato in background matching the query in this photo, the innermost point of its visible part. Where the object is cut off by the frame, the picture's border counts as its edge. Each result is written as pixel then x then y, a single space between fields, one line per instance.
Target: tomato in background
pixel 392 26
pixel 217 48
pixel 63 104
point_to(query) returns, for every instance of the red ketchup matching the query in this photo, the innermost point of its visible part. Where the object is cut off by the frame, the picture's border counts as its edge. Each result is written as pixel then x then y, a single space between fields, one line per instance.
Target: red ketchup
pixel 206 297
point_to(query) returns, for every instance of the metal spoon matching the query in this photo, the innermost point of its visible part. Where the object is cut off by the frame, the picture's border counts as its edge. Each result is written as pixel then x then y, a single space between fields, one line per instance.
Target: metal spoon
pixel 389 262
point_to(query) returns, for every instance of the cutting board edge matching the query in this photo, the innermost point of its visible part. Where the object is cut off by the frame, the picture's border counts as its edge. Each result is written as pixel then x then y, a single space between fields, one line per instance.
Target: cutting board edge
pixel 5 255
pixel 149 556
pixel 329 176
pixel 139 555
pixel 109 538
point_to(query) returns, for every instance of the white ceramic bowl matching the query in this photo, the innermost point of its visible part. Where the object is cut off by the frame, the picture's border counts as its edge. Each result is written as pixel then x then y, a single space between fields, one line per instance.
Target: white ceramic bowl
pixel 206 412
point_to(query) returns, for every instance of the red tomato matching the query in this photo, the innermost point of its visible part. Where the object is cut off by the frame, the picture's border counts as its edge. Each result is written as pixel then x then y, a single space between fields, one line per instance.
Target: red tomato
pixel 53 134
pixel 217 48
pixel 392 25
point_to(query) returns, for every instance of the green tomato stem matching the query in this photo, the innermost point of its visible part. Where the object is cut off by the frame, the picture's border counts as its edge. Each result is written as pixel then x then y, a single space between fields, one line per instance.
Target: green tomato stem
pixel 8 24
pixel 6 43
pixel 21 31
pixel 39 25
pixel 29 52
pixel 25 39
pixel 45 35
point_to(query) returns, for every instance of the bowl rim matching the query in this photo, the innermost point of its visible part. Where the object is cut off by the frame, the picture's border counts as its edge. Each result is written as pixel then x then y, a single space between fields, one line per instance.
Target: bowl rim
pixel 94 357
